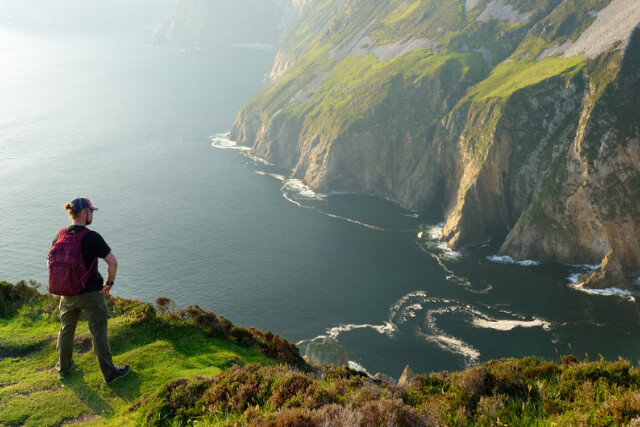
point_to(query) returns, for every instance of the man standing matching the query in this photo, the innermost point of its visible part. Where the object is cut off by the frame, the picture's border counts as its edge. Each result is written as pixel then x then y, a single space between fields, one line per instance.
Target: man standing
pixel 91 299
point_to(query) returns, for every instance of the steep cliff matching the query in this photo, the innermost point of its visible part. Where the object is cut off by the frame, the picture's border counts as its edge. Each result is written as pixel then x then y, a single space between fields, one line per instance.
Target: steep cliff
pixel 202 24
pixel 519 119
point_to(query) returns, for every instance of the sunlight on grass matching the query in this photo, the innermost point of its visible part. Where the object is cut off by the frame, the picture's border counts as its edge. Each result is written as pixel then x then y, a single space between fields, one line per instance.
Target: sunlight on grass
pixel 508 77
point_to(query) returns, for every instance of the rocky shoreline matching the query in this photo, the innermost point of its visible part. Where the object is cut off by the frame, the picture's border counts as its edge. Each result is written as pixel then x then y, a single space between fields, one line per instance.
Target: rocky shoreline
pixel 552 166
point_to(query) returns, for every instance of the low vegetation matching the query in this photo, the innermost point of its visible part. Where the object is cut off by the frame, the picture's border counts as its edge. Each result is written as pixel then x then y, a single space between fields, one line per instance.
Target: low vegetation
pixel 191 367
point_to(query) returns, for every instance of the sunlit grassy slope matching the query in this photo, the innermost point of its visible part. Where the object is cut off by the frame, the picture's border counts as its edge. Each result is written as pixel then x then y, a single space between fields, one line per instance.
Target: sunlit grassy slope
pixel 158 347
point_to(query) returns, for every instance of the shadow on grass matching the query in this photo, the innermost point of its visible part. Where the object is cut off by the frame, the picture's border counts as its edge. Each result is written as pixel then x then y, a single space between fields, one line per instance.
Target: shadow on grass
pixel 185 339
pixel 128 388
pixel 86 393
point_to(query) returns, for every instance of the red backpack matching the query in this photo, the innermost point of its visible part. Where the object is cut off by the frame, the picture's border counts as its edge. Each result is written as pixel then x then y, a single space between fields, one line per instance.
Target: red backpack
pixel 68 274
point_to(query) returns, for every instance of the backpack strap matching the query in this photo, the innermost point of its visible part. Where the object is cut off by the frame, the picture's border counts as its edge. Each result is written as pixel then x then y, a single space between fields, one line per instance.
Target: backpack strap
pixel 81 236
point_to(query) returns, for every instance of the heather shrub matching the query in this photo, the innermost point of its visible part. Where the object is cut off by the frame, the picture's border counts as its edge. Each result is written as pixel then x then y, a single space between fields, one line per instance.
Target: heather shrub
pixel 12 297
pixel 134 311
pixel 343 372
pixel 389 412
pixel 176 401
pixel 288 388
pixel 621 409
pixel 490 408
pixel 165 305
pixel 276 347
pixel 617 372
pixel 237 389
pixel 423 387
pixel 569 359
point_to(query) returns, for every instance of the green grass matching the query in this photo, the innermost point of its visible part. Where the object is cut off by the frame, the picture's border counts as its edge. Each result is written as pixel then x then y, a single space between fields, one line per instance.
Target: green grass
pixel 158 347
pixel 399 14
pixel 509 77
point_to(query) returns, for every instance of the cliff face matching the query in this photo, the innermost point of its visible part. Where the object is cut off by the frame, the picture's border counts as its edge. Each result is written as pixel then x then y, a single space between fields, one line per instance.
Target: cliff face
pixel 201 23
pixel 518 118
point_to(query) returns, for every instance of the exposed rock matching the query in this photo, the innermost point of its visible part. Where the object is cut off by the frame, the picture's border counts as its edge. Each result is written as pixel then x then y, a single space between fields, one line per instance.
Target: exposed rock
pixel 614 23
pixel 610 275
pixel 497 9
pixel 364 45
pixel 470 4
pixel 327 352
pixel 407 376
pixel 379 376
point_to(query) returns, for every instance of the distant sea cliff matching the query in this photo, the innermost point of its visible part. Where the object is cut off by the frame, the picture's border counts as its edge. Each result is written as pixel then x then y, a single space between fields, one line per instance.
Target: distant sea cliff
pixel 518 119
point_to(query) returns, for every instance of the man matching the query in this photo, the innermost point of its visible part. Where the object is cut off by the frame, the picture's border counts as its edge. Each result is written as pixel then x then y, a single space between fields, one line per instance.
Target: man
pixel 91 299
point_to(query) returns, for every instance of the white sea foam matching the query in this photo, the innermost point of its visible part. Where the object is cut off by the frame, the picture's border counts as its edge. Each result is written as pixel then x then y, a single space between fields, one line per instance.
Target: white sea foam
pixel 434 232
pixel 573 279
pixel 408 309
pixel 507 325
pixel 429 244
pixel 256 158
pixel 575 283
pixel 353 221
pixel 508 260
pixel 412 309
pixel 394 310
pixel 411 215
pixel 386 328
pixel 605 292
pixel 456 346
pixel 279 177
pixel 358 367
pixel 586 266
pixel 222 142
pixel 298 187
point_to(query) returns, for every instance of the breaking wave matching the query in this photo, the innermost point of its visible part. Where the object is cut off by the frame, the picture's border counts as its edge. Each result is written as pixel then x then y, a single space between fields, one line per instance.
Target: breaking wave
pixel 605 292
pixel 574 282
pixel 505 259
pixel 222 142
pixel 428 241
pixel 297 192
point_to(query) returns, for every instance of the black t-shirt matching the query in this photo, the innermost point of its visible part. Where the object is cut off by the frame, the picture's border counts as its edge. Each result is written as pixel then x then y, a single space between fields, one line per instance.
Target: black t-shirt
pixel 93 246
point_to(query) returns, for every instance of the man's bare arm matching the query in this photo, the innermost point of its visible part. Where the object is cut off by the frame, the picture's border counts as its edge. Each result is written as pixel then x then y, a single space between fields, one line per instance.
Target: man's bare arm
pixel 112 268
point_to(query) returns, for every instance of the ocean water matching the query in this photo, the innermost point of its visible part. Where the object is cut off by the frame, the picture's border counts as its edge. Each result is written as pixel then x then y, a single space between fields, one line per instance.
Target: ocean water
pixel 191 217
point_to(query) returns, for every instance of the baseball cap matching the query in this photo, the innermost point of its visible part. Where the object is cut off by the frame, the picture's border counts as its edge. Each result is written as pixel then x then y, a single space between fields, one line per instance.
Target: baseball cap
pixel 80 203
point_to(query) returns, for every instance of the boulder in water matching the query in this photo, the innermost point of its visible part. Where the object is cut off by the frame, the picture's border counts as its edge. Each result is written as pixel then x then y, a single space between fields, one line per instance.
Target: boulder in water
pixel 327 352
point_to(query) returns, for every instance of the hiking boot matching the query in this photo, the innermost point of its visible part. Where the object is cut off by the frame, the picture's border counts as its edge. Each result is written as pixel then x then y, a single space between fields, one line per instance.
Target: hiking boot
pixel 121 371
pixel 63 375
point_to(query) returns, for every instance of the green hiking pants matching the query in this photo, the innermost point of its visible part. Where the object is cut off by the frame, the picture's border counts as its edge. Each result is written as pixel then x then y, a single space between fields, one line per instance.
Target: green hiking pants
pixel 95 308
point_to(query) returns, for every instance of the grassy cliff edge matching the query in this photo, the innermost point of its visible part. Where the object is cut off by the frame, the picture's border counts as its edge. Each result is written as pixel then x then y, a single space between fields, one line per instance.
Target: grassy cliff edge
pixel 192 368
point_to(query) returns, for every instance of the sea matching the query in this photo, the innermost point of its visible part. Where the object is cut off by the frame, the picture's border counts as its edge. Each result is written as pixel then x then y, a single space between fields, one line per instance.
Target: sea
pixel 141 130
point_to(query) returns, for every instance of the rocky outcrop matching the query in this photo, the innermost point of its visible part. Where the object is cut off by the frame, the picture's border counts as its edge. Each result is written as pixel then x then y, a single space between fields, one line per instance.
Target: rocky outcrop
pixel 407 376
pixel 610 275
pixel 327 352
pixel 378 98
